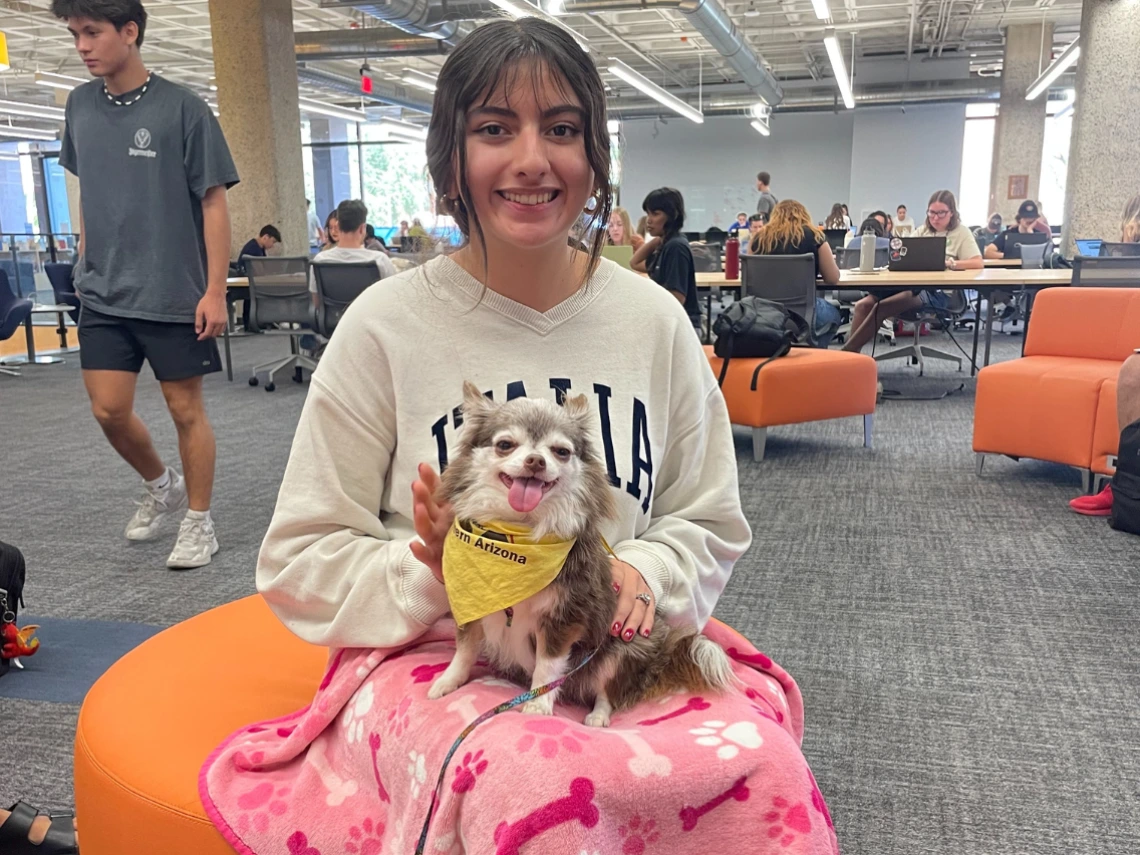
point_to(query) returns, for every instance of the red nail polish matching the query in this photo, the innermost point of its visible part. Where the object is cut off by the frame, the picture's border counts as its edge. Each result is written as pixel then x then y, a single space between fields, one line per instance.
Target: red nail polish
pixel 615 629
pixel 645 632
pixel 629 635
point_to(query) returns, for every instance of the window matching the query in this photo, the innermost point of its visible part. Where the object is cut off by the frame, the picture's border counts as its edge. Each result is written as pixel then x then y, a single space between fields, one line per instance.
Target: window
pixel 1055 167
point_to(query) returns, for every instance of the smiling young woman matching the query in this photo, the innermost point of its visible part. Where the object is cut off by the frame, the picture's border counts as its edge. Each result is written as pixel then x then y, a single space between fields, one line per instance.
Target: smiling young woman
pixel 519 152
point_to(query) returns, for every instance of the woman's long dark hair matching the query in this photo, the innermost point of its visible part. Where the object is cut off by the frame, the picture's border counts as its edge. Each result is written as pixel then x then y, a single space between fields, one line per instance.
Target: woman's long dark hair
pixel 671 203
pixel 489 61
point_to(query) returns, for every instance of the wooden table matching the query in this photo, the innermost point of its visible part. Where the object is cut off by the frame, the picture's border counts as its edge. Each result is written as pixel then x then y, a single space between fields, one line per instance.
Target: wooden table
pixel 1002 262
pixel 984 281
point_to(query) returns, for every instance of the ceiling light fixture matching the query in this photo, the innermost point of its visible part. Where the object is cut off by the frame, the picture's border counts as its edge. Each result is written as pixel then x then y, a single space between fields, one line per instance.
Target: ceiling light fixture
pixel 821 10
pixel 27 133
pixel 761 128
pixel 648 87
pixel 1059 66
pixel 835 54
pixel 35 111
pixel 310 106
pixel 419 79
pixel 406 130
pixel 58 81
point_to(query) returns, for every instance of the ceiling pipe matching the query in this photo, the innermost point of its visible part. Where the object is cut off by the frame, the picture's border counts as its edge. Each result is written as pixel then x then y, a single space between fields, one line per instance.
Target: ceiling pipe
pixel 709 19
pixel 363 44
pixel 382 92
pixel 446 20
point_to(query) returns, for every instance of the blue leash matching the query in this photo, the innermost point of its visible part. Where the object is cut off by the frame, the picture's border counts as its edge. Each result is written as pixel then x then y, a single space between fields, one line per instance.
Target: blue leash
pixel 503 707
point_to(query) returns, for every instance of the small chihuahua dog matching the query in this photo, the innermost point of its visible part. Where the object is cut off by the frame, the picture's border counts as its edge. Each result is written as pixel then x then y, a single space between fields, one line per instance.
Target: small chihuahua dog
pixel 531 462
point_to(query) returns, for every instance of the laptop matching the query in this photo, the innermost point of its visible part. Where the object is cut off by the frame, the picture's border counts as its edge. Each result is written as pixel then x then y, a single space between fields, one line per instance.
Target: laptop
pixel 620 255
pixel 1120 250
pixel 1088 246
pixel 918 253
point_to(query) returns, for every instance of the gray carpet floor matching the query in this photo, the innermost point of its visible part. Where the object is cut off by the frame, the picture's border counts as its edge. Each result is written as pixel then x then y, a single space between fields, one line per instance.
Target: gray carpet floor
pixel 966 646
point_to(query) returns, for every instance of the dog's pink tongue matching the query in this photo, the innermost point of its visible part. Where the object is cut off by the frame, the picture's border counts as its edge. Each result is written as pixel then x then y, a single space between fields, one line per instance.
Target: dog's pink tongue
pixel 525 494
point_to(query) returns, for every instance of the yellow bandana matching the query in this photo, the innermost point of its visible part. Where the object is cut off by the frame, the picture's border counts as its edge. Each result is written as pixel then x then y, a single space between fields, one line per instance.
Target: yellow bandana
pixel 490 568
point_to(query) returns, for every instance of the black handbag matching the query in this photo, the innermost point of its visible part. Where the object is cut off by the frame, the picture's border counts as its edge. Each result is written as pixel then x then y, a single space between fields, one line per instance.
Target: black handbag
pixel 755 328
pixel 12 572
pixel 1126 482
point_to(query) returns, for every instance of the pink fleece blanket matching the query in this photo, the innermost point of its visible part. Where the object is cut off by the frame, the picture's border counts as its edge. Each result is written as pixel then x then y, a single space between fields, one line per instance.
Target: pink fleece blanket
pixel 354 771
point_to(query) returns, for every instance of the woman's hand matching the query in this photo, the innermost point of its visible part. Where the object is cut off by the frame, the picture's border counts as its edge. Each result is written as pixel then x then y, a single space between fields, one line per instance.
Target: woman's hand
pixel 432 520
pixel 633 616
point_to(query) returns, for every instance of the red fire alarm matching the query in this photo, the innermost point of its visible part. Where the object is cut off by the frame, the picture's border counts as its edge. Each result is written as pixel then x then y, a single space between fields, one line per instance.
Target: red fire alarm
pixel 366 84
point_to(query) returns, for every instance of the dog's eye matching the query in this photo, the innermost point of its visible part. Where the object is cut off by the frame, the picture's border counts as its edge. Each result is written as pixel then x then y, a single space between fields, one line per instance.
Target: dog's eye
pixel 561 453
pixel 504 446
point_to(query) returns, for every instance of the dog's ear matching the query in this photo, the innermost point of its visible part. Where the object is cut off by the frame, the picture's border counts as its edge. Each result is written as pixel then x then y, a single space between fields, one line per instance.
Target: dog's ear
pixel 475 404
pixel 577 407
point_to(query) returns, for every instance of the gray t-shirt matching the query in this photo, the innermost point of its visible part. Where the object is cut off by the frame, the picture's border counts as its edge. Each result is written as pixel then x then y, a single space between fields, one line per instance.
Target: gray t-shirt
pixel 143 169
pixel 766 204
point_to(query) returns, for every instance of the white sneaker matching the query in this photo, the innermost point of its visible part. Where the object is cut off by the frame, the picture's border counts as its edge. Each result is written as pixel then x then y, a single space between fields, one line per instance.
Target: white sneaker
pixel 155 506
pixel 196 544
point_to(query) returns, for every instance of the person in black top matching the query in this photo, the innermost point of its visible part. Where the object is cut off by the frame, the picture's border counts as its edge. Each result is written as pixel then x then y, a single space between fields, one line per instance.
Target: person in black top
pixel 266 239
pixel 667 257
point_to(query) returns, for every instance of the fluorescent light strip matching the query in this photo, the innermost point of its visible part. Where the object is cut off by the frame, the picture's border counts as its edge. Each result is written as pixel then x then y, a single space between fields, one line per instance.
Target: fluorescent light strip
pixel 418 78
pixel 762 129
pixel 1060 65
pixel 27 133
pixel 648 87
pixel 522 9
pixel 821 10
pixel 406 129
pixel 58 81
pixel 36 111
pixel 310 106
pixel 835 54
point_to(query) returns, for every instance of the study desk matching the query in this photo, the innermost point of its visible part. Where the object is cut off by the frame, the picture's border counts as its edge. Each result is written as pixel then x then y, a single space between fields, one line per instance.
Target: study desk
pixel 984 281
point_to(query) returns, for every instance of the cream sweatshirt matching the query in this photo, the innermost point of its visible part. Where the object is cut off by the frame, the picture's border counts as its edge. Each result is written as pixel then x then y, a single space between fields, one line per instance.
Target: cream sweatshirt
pixel 335 564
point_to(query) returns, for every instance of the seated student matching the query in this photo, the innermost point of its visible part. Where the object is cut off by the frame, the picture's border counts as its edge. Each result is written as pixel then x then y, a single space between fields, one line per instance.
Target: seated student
pixel 1027 216
pixel 373 241
pixel 904 225
pixel 619 232
pixel 266 239
pixel 756 225
pixel 875 226
pixel 332 232
pixel 666 256
pixel 836 219
pixel 790 231
pixel 1127 384
pixel 350 217
pixel 988 233
pixel 740 225
pixel 962 253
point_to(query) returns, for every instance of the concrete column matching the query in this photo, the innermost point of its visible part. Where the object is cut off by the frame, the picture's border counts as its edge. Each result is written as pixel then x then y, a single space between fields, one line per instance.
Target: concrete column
pixel 1103 171
pixel 1020 132
pixel 257 97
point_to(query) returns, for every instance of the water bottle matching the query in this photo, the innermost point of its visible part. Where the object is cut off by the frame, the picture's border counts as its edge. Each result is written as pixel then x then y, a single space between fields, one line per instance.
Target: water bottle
pixel 732 258
pixel 867 252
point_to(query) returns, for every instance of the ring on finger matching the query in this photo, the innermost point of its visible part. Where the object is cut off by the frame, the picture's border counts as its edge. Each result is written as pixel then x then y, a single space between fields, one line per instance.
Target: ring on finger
pixel 645 598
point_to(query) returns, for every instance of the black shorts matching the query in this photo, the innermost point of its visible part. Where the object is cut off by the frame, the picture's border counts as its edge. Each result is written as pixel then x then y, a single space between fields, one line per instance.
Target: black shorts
pixel 108 343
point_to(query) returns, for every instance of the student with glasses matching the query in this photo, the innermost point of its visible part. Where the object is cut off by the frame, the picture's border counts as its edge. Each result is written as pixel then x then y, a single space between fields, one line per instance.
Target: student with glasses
pixel 962 253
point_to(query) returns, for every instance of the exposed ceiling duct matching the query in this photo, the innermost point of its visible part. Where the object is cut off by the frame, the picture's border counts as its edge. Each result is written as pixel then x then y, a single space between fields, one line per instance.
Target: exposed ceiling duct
pixel 711 20
pixel 384 93
pixel 363 43
pixel 446 20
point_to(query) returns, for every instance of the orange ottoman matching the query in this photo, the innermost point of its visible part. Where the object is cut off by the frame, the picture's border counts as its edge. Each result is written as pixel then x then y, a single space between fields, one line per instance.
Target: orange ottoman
pixel 807 385
pixel 149 723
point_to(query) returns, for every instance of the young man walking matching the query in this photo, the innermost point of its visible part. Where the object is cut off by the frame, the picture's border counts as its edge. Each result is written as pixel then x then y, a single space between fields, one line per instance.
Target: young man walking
pixel 767 201
pixel 153 171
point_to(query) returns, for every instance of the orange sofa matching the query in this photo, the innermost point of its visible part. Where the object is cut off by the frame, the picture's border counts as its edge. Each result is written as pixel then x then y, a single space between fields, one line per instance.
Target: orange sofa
pixel 1058 401
pixel 807 385
pixel 148 724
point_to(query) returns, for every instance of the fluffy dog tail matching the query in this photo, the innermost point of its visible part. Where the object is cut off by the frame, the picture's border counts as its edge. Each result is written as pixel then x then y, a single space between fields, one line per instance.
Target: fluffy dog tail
pixel 696 663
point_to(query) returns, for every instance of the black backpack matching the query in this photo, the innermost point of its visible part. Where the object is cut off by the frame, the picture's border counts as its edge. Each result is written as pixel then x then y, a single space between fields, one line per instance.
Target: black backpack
pixel 1126 482
pixel 755 328
pixel 12 573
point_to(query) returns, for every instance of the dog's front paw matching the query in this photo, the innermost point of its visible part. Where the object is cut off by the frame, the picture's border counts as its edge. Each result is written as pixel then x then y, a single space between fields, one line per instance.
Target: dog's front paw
pixel 539 706
pixel 598 718
pixel 445 684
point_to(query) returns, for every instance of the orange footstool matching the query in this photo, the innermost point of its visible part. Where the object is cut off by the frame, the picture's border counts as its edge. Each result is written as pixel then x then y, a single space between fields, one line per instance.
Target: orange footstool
pixel 807 385
pixel 149 723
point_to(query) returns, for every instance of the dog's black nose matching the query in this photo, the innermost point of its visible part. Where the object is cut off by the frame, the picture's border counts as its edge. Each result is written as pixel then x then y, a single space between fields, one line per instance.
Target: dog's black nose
pixel 535 462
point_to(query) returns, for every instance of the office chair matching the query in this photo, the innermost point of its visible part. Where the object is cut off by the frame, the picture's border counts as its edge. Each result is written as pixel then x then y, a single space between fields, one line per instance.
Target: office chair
pixel 14 312
pixel 1103 271
pixel 1033 254
pixel 337 286
pixel 927 314
pixel 63 285
pixel 1119 250
pixel 785 279
pixel 279 294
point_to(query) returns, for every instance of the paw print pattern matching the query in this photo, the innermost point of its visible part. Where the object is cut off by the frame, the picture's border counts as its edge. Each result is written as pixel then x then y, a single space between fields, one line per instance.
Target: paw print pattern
pixel 550 735
pixel 258 805
pixel 417 771
pixel 728 739
pixel 366 838
pixel 787 820
pixel 354 712
pixel 635 835
pixel 472 767
pixel 398 717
